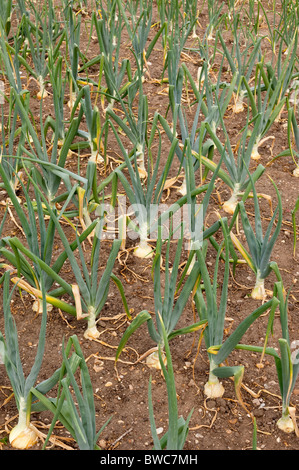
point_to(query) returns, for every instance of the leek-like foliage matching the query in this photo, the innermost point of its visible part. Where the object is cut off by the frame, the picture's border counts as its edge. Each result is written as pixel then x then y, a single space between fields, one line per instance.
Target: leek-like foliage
pixel 221 352
pixel 90 291
pixel 274 82
pixel 52 171
pixel 39 248
pixel 169 306
pixel 261 245
pixel 145 195
pixel 117 72
pixel 237 167
pixel 41 35
pixel 134 127
pixel 242 61
pixel 287 363
pixel 175 437
pixel 138 28
pixel 23 435
pixel 76 411
pixel 212 102
pixel 216 17
pixel 209 311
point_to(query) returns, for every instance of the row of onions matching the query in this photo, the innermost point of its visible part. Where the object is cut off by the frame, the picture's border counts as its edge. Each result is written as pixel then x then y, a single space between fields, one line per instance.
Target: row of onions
pixel 42 45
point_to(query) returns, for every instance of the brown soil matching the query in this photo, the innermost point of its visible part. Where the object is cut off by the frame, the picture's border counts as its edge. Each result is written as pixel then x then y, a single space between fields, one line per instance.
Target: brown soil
pixel 121 391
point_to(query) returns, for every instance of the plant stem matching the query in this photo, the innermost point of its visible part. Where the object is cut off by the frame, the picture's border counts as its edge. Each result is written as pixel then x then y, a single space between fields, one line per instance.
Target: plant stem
pixel 239 104
pixel 258 291
pixel 213 388
pixel 230 205
pixel 91 331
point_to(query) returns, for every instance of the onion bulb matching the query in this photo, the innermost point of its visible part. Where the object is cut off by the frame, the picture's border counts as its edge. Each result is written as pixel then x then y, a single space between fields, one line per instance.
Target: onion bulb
pixel 72 100
pixel 143 250
pixel 153 360
pixel 95 156
pixel 255 152
pixel 286 423
pixel 38 306
pixel 296 172
pixel 230 205
pixel 91 332
pixel 183 189
pixel 42 94
pixel 23 435
pixel 258 291
pixel 42 90
pixel 239 103
pixel 213 388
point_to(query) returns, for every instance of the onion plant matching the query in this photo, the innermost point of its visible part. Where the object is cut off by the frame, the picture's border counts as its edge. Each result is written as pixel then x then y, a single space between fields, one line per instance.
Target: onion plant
pixel 282 74
pixel 2 265
pixel 9 59
pixel 213 105
pixel 12 127
pixel 293 138
pixel 167 12
pixel 286 362
pixel 175 437
pixel 145 195
pixel 253 15
pixel 222 351
pixel 215 18
pixel 76 411
pixel 117 72
pixel 237 168
pixel 294 211
pixel 198 212
pixel 169 306
pixel 23 435
pixel 208 310
pixel 269 106
pixel 288 365
pixel 52 171
pixel 22 7
pixel 212 109
pixel 260 245
pixel 93 138
pixel 35 145
pixel 134 127
pixel 138 28
pixel 6 10
pixel 190 11
pixel 39 251
pixel 185 134
pixel 73 32
pixel 56 123
pixel 178 28
pixel 90 291
pixel 10 131
pixel 290 21
pixel 242 60
pixel 176 37
pixel 93 133
pixel 279 23
pixel 40 37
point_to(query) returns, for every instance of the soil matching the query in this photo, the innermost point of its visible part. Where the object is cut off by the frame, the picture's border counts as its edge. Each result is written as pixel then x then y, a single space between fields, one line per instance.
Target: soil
pixel 121 390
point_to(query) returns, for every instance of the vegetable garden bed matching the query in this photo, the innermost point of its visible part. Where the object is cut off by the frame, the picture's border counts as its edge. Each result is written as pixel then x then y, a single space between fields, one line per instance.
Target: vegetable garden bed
pixel 80 134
